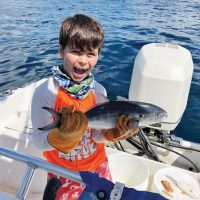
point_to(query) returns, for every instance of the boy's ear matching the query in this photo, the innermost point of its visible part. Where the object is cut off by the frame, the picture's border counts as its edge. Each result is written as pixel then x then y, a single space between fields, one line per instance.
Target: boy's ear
pixel 61 51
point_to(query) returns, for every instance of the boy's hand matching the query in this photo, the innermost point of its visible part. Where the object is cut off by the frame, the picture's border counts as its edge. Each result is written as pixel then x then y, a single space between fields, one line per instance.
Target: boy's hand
pixel 68 135
pixel 121 131
pixel 72 121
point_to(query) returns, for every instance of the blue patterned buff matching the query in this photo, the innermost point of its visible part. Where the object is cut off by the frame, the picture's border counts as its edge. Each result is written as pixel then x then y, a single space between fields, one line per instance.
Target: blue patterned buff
pixel 76 90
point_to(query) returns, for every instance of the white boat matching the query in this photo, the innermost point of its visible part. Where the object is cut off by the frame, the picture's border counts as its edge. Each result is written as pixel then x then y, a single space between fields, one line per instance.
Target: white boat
pixel 23 170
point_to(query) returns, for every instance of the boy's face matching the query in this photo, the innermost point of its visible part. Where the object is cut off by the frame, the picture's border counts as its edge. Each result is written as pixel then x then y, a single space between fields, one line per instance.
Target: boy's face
pixel 76 64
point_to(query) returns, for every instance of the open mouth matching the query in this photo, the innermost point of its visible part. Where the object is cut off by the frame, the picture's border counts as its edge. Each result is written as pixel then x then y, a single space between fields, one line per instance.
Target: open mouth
pixel 79 71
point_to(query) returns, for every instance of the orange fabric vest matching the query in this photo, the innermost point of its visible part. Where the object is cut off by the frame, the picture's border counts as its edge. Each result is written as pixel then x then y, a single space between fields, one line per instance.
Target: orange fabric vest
pixel 90 163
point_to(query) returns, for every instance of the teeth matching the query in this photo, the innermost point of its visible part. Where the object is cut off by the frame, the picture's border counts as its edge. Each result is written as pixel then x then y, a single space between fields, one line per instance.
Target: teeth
pixel 79 71
pixel 80 68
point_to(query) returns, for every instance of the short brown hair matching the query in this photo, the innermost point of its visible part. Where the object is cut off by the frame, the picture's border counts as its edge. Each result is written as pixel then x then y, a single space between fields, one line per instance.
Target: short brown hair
pixel 81 32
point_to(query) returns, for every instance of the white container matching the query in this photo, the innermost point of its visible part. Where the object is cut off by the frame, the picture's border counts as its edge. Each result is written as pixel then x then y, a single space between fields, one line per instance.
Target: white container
pixel 129 170
pixel 162 76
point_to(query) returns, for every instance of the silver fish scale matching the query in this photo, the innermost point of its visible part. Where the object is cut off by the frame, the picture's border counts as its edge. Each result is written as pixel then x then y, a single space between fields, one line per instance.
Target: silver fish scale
pixel 105 115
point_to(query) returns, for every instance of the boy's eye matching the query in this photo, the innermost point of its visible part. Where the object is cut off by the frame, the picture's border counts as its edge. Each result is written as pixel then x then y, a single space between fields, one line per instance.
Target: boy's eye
pixel 92 54
pixel 76 51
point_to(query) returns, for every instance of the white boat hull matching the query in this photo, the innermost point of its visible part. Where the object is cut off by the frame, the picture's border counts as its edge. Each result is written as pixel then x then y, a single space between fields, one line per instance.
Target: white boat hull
pixel 15 134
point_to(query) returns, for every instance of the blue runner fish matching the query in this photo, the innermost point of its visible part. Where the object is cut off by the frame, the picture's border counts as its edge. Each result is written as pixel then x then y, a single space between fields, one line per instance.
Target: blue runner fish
pixel 103 116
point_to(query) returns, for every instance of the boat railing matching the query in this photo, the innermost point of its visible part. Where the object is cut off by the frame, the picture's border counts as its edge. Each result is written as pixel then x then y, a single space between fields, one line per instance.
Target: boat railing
pixel 32 164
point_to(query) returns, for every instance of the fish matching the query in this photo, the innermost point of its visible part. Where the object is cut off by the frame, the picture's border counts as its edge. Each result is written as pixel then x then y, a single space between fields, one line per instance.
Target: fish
pixel 104 115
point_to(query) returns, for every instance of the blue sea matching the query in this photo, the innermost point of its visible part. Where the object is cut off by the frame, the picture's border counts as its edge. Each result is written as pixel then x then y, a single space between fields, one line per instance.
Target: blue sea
pixel 29 42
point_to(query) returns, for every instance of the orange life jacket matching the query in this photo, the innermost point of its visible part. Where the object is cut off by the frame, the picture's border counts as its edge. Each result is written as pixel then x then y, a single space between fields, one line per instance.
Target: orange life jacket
pixel 90 163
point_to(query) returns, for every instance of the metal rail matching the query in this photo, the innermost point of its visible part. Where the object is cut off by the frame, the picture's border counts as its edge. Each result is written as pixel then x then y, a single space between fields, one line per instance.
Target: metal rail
pixel 32 164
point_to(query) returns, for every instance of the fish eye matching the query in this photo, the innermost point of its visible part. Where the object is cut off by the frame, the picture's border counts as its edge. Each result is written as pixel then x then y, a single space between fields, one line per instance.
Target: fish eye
pixel 157 114
pixel 141 115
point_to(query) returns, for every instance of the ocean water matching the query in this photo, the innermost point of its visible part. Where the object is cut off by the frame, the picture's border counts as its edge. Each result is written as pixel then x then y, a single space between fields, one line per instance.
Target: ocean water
pixel 29 42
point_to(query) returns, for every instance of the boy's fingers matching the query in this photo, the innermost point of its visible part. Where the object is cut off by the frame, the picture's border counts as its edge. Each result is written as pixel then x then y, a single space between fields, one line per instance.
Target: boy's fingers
pixel 127 121
pixel 68 110
pixel 121 124
pixel 71 108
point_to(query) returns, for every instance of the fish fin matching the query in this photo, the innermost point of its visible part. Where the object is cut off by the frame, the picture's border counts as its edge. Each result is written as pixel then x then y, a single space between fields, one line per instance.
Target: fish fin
pixel 55 114
pixel 54 124
pixel 120 98
pixel 49 126
pixel 100 98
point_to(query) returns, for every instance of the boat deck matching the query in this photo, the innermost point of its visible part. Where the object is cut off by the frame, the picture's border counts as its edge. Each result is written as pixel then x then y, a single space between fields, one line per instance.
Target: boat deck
pixel 15 134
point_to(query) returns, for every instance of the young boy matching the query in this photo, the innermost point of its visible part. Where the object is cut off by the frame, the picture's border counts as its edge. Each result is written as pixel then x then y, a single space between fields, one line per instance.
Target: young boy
pixel 73 88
